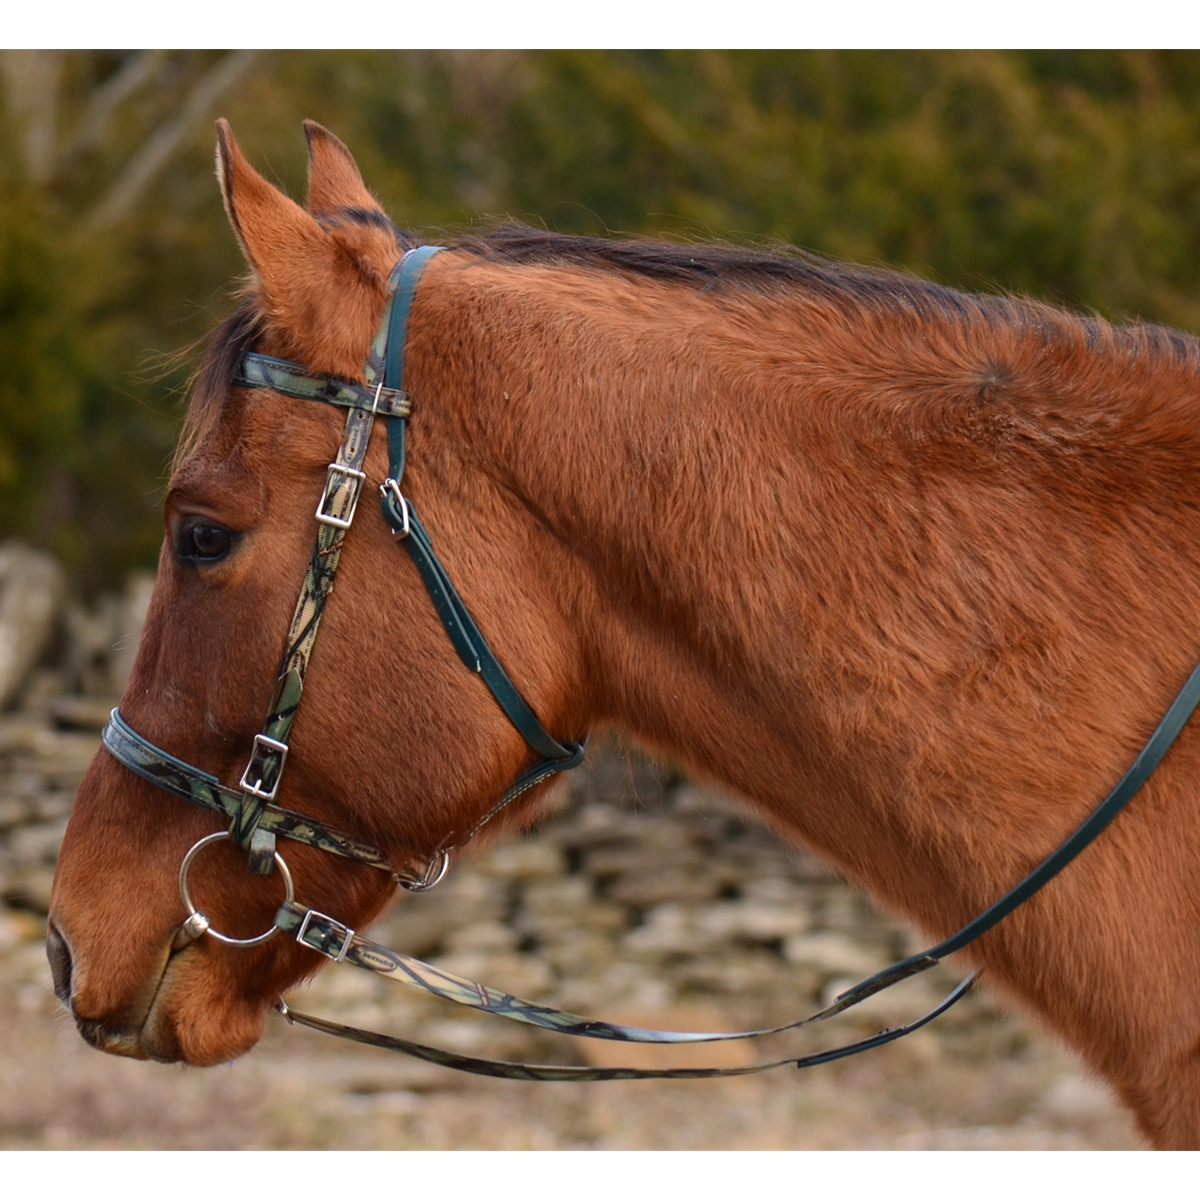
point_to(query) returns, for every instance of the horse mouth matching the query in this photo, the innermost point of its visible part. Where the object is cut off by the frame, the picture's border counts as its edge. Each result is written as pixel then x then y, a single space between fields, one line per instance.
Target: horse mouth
pixel 138 1030
pixel 125 1044
pixel 148 1034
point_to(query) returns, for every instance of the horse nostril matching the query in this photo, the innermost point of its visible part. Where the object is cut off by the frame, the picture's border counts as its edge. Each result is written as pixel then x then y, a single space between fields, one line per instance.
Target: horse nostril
pixel 59 954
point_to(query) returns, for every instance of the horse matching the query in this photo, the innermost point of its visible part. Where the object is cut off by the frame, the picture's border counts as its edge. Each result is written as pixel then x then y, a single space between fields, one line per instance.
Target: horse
pixel 912 571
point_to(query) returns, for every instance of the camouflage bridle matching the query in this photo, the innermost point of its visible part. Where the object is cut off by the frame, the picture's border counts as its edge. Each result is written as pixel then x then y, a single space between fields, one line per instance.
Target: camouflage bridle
pixel 257 822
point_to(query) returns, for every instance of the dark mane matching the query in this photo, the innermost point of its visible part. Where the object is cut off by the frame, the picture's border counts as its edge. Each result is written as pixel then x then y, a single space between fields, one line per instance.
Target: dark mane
pixel 849 285
pixel 707 266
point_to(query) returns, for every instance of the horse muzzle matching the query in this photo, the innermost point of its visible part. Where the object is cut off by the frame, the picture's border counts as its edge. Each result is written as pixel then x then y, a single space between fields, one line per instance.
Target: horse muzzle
pixel 131 1031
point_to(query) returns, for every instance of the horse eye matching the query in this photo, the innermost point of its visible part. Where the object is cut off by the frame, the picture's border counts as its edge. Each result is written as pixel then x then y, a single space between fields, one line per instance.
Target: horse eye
pixel 203 542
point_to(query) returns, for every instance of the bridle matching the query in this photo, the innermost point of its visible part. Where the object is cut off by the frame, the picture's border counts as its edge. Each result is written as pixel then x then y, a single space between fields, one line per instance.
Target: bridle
pixel 257 822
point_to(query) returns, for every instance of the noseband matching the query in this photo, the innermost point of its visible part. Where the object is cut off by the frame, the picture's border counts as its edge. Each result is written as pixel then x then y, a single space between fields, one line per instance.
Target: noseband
pixel 256 821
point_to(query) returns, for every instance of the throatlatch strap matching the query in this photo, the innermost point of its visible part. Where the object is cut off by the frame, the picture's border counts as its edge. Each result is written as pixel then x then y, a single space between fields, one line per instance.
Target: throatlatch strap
pixel 401 516
pixel 472 646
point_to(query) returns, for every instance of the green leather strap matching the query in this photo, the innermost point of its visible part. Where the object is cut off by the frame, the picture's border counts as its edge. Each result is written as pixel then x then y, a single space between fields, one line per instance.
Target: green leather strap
pixel 469 643
pixel 1151 754
pixel 408 275
pixel 472 646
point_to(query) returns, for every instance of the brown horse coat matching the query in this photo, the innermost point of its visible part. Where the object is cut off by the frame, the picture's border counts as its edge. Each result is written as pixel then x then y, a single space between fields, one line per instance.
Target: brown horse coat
pixel 913 571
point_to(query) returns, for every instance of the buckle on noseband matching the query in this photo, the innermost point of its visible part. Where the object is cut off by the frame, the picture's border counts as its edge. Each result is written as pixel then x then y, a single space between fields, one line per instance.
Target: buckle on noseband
pixel 352 478
pixel 266 751
pixel 339 930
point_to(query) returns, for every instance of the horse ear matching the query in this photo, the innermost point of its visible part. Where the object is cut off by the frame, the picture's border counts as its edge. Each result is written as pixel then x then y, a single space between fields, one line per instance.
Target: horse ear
pixel 278 238
pixel 333 178
pixel 320 289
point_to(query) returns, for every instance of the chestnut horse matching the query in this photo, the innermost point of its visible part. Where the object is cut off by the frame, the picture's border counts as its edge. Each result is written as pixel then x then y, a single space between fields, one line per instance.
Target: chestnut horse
pixel 914 572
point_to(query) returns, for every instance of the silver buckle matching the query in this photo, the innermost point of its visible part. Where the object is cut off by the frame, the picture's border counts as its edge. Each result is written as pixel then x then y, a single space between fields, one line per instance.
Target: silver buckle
pixel 265 749
pixel 349 473
pixel 390 486
pixel 346 933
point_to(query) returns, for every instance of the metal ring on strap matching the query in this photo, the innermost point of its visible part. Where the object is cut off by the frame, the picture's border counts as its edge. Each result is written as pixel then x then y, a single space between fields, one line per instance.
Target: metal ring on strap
pixel 197 922
pixel 435 872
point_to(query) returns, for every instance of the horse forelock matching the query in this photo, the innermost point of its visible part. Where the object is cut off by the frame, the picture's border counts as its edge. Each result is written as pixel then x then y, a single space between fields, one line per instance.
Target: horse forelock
pixel 213 378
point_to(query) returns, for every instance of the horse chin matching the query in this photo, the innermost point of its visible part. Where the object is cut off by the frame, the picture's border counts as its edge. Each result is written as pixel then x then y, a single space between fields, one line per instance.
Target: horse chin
pixel 187 1023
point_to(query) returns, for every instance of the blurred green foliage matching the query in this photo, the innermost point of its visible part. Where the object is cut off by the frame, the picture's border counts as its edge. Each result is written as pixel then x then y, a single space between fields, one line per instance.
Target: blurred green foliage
pixel 1072 176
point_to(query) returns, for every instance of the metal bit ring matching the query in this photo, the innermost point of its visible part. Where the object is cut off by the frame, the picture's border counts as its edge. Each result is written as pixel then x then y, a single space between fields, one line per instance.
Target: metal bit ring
pixel 197 922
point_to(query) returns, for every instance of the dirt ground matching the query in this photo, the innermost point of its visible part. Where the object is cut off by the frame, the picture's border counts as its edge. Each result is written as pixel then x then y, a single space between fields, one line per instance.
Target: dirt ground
pixel 643 897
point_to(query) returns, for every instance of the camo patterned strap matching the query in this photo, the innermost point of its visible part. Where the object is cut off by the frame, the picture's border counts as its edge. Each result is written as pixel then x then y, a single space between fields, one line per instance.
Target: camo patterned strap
pixel 335 512
pixel 535 1073
pixel 342 944
pixel 198 787
pixel 292 379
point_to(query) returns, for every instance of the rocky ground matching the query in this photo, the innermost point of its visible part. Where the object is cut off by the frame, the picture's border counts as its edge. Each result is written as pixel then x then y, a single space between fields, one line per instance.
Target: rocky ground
pixel 642 897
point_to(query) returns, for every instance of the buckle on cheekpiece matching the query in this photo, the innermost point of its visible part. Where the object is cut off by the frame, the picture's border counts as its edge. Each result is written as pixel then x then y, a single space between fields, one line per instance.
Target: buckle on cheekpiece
pixel 342 931
pixel 398 518
pixel 332 486
pixel 267 751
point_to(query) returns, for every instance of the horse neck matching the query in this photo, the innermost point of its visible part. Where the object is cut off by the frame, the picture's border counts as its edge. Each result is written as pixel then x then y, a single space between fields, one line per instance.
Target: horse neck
pixel 812 558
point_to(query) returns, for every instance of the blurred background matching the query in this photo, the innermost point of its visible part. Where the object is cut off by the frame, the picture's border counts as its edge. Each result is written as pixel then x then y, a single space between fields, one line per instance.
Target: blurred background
pixel 1074 177
pixel 1070 176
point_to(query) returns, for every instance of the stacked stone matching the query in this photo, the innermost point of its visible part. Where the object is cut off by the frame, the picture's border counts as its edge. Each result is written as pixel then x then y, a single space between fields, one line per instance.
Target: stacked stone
pixel 62 665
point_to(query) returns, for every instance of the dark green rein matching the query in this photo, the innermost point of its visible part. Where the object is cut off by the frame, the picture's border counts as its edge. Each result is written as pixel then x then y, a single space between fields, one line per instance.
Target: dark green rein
pixel 257 822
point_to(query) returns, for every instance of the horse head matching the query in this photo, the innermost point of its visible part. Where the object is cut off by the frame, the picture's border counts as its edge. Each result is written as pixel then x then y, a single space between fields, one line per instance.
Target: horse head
pixel 396 743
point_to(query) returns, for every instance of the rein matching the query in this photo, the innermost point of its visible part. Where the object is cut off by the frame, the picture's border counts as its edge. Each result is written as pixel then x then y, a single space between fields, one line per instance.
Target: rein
pixel 256 822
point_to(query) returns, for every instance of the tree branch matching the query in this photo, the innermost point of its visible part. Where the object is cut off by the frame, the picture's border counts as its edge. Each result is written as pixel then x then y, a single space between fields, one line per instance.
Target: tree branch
pixel 125 80
pixel 163 142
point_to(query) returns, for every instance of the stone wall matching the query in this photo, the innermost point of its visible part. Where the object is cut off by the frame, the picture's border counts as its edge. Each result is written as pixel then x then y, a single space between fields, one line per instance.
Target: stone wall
pixel 63 663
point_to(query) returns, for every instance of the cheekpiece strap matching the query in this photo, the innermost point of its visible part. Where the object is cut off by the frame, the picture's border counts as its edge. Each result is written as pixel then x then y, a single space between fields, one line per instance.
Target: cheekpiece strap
pixel 344 482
